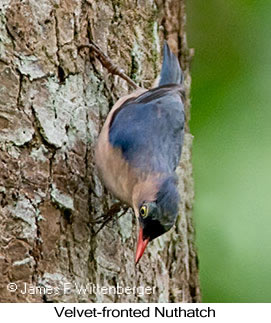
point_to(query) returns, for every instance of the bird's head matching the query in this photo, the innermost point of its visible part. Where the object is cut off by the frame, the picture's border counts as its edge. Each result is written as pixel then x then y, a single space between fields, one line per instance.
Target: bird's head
pixel 158 216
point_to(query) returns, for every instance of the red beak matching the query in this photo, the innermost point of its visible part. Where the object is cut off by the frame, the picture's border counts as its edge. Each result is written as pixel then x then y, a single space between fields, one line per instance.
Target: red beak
pixel 141 245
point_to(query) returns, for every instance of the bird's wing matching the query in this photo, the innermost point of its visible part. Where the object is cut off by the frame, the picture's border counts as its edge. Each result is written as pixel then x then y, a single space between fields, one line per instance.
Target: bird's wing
pixel 149 129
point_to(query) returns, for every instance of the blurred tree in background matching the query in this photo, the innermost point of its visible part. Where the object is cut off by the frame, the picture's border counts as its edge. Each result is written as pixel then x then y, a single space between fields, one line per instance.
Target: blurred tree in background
pixel 231 121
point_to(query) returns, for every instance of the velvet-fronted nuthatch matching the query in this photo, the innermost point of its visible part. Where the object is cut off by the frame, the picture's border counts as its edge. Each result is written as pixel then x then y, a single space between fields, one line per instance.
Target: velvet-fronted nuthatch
pixel 139 149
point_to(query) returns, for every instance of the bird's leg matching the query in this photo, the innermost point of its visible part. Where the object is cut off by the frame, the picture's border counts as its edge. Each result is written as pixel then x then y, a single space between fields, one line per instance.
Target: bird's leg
pixel 106 218
pixel 115 208
pixel 108 64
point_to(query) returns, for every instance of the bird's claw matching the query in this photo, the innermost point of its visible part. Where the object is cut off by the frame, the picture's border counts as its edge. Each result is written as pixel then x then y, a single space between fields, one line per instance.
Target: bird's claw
pixel 109 216
pixel 108 64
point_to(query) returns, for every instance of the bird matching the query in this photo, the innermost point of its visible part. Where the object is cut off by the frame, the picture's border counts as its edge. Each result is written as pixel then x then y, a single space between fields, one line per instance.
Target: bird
pixel 139 149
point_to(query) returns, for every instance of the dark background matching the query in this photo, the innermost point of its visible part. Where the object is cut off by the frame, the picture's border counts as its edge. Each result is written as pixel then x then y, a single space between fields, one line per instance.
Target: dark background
pixel 231 121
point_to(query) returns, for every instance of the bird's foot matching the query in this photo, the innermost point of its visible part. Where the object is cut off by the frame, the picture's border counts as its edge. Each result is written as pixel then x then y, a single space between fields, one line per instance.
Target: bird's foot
pixel 115 208
pixel 108 64
pixel 109 216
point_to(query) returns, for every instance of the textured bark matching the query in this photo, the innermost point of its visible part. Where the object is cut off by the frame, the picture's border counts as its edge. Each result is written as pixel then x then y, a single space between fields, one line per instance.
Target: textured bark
pixel 53 102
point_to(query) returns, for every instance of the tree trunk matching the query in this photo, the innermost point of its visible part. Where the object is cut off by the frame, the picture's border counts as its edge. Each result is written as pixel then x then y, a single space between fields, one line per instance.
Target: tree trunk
pixel 54 99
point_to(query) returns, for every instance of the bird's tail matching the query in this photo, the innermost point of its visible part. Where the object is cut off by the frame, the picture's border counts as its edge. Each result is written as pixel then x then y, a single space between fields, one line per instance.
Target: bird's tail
pixel 171 72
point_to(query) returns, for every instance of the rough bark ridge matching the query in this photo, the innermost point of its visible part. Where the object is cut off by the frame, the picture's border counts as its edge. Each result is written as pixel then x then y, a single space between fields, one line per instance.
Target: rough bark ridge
pixel 53 101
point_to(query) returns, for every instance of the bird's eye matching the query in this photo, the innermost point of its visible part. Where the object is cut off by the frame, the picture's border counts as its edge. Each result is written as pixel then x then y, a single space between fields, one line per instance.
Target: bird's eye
pixel 143 211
